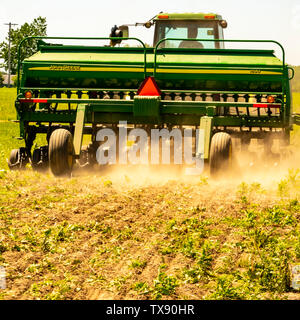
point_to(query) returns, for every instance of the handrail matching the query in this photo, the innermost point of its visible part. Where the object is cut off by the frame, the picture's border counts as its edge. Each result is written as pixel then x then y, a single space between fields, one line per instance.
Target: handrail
pixel 76 38
pixel 217 40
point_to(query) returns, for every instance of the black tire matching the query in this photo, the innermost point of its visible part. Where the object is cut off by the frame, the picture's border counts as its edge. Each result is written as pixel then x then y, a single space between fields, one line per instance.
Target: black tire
pixel 220 154
pixel 17 159
pixel 14 159
pixel 39 159
pixel 36 157
pixel 61 152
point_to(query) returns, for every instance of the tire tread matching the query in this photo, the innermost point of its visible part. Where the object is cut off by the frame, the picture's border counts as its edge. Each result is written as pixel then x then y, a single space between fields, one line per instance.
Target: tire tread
pixel 58 156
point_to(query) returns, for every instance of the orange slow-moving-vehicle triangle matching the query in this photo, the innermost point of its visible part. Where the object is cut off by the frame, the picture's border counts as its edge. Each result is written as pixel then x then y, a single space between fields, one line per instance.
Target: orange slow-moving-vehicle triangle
pixel 149 87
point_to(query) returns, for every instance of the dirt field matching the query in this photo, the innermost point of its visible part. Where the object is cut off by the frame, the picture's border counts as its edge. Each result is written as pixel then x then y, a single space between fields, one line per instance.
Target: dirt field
pixel 138 235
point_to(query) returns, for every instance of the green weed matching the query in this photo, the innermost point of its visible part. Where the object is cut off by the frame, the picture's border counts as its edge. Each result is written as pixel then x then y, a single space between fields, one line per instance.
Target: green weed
pixel 186 236
pixel 203 267
pixel 290 186
pixel 137 264
pixel 271 269
pixel 276 215
pixel 164 285
pixel 53 290
pixel 225 290
pixel 141 287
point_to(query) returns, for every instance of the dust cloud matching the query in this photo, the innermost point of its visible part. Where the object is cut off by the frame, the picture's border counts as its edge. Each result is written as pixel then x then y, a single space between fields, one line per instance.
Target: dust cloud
pixel 251 164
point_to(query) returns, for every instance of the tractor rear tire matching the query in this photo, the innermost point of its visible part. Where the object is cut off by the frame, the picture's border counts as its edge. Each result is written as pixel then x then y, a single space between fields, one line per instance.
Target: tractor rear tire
pixel 61 158
pixel 220 154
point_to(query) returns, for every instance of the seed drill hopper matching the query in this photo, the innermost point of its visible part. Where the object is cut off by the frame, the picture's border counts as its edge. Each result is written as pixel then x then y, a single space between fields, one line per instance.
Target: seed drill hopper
pixel 186 79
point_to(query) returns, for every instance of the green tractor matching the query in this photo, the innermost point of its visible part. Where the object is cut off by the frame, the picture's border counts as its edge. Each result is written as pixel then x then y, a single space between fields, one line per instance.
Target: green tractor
pixel 186 80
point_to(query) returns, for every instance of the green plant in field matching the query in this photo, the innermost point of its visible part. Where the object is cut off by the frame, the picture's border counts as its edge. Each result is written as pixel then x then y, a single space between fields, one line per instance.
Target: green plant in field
pixel 245 191
pixel 137 264
pixel 283 188
pixel 294 177
pixel 53 290
pixel 271 269
pixel 95 226
pixel 297 248
pixel 53 236
pixel 59 293
pixel 204 260
pixel 44 265
pixel 225 290
pixel 3 247
pixel 119 282
pixel 46 243
pixel 63 234
pixel 290 185
pixel 164 285
pixel 189 247
pixel 125 234
pixel 203 181
pixel 141 287
pixel 260 238
pixel 116 252
pixel 107 183
pixel 167 249
pixel 242 192
pixel 31 237
pixel 203 267
pixel 250 218
pixel 294 205
pixel 3 174
pixel 277 215
pixel 186 236
pixel 36 288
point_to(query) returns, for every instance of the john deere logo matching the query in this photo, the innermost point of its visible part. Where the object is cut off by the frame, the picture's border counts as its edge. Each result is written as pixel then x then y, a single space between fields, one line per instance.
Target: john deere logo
pixel 255 71
pixel 65 68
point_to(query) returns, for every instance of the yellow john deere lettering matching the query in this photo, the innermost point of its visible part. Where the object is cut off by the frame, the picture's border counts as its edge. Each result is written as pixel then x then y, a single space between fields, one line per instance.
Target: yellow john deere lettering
pixel 255 71
pixel 64 68
pixel 159 70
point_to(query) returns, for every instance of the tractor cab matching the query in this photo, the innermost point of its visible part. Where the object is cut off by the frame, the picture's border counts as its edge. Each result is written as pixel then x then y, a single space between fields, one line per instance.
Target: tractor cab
pixel 178 28
pixel 189 26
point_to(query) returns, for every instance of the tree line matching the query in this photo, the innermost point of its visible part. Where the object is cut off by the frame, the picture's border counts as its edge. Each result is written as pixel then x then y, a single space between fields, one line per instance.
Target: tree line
pixel 37 28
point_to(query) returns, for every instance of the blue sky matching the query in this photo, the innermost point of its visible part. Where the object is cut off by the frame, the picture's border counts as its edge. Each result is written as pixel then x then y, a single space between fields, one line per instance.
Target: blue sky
pixel 255 19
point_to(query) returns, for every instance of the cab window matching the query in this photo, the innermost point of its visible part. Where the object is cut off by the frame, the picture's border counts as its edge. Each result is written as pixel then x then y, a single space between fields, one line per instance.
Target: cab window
pixel 187 29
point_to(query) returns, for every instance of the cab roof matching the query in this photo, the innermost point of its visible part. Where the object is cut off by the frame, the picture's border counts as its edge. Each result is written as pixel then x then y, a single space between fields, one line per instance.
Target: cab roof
pixel 188 16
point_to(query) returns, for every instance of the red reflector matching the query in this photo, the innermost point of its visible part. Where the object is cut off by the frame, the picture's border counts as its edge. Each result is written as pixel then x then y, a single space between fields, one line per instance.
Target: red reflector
pixel 265 105
pixel 40 100
pixel 33 100
pixel 149 87
pixel 209 17
pixel 163 16
pixel 260 105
